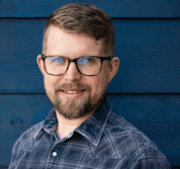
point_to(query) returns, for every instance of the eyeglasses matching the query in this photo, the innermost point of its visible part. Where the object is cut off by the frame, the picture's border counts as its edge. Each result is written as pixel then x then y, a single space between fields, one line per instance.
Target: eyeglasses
pixel 58 65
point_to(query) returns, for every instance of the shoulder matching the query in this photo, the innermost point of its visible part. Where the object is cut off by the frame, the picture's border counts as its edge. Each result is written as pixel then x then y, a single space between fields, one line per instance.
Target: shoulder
pixel 126 140
pixel 27 137
pixel 117 127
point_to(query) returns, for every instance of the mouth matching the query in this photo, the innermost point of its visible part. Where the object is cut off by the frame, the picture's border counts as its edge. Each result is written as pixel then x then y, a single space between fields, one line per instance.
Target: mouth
pixel 72 91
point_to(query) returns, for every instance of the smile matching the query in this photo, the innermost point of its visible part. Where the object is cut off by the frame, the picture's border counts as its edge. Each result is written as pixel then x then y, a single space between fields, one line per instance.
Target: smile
pixel 72 91
pixel 72 94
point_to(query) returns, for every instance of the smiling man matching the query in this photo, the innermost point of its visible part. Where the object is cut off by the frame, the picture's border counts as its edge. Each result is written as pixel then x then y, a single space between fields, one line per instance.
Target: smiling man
pixel 81 131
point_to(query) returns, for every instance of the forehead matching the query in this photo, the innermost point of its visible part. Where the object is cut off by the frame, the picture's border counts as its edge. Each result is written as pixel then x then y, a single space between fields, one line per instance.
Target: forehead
pixel 61 42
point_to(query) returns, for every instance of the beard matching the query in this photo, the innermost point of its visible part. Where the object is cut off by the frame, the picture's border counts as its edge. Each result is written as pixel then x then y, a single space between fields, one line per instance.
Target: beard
pixel 76 108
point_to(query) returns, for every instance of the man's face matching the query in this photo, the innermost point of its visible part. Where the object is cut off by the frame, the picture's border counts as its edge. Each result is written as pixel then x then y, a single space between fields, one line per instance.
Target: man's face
pixel 72 94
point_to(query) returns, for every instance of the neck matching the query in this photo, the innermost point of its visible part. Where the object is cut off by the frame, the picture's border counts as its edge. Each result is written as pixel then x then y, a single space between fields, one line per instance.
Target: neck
pixel 66 126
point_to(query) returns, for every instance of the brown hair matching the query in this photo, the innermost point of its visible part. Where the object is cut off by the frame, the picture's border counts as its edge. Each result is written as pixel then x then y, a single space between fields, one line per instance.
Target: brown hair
pixel 84 18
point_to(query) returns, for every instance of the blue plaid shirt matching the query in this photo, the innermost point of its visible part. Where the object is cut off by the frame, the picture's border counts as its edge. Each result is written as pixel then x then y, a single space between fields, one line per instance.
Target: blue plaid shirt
pixel 103 141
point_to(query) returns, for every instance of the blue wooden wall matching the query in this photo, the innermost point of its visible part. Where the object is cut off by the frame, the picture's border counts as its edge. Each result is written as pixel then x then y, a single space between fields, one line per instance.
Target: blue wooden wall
pixel 146 90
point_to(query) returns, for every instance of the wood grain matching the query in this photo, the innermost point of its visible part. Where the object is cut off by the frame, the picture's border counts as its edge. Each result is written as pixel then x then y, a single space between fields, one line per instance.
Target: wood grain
pixel 155 115
pixel 121 8
pixel 148 50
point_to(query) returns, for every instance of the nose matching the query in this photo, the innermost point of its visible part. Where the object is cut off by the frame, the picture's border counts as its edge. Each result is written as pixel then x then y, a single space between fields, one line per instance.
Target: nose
pixel 72 74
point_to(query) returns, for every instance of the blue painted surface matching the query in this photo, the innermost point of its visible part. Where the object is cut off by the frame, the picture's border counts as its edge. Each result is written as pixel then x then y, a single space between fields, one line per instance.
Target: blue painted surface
pixel 155 115
pixel 114 8
pixel 149 51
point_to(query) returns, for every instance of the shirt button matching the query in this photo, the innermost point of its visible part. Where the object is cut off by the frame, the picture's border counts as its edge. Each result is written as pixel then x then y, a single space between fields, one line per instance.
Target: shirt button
pixel 54 154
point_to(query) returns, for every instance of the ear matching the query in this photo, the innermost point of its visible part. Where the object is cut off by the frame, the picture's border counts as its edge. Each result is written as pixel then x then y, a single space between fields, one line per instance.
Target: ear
pixel 40 64
pixel 113 68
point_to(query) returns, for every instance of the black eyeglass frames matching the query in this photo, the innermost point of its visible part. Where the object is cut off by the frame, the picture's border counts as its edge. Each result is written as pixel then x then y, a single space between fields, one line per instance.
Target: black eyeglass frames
pixel 89 65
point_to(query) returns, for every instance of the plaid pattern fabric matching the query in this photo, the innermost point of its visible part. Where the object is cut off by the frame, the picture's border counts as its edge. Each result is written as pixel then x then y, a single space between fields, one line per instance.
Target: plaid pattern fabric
pixel 104 141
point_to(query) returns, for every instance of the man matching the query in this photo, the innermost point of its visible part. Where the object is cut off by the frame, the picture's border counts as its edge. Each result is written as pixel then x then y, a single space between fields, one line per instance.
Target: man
pixel 81 131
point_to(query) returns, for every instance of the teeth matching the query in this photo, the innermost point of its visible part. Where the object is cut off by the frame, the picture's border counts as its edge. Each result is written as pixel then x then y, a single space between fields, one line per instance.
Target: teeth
pixel 72 91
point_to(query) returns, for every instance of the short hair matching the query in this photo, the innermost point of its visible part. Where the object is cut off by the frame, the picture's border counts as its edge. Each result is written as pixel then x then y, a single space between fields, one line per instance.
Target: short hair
pixel 83 18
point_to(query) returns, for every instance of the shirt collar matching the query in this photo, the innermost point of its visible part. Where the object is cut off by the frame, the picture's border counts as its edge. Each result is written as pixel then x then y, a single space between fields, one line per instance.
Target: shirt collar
pixel 50 122
pixel 92 129
pixel 48 125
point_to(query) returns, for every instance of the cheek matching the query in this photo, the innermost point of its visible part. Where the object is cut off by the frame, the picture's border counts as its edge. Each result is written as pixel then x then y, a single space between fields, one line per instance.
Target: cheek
pixel 49 83
pixel 99 85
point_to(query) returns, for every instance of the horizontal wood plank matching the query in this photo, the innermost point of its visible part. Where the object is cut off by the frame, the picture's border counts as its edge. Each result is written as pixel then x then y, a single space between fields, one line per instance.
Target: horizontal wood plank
pixel 122 8
pixel 148 51
pixel 155 115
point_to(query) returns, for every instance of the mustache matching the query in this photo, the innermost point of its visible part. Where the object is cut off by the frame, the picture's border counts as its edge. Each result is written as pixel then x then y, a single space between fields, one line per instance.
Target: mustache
pixel 76 86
